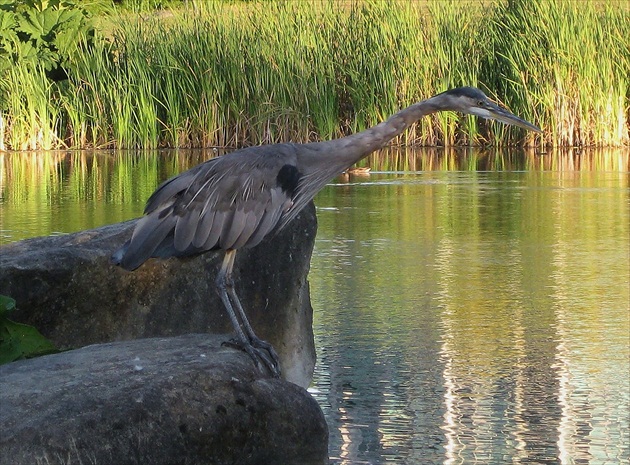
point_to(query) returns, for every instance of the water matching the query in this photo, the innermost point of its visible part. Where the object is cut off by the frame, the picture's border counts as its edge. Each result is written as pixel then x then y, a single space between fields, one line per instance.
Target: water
pixel 460 316
pixel 474 318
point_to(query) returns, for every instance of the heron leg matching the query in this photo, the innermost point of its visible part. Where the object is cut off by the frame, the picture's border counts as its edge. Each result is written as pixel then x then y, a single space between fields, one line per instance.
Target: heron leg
pixel 255 340
pixel 256 348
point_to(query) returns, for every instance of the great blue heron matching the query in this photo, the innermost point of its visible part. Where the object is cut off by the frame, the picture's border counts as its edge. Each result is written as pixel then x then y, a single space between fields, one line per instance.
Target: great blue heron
pixel 238 199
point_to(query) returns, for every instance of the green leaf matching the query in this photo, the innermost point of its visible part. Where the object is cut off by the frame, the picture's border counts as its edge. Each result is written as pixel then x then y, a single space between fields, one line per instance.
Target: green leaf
pixel 31 24
pixel 47 58
pixel 7 304
pixel 7 23
pixel 51 19
pixel 44 33
pixel 38 24
pixel 26 52
pixel 18 340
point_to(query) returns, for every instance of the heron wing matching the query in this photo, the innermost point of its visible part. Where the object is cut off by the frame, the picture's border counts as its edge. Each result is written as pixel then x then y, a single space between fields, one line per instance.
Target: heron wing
pixel 228 202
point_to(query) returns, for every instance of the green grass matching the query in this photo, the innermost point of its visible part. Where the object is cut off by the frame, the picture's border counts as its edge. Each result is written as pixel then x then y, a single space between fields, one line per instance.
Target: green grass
pixel 567 64
pixel 235 74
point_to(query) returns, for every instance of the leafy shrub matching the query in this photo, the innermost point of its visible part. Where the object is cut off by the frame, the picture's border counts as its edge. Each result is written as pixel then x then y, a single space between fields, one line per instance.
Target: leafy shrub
pixel 44 33
pixel 18 340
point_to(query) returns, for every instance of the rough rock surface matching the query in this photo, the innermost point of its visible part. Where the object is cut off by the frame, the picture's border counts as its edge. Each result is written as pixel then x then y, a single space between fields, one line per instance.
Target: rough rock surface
pixel 177 400
pixel 66 287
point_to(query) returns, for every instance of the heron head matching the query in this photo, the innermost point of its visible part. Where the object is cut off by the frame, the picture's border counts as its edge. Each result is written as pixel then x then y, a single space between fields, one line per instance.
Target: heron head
pixel 473 101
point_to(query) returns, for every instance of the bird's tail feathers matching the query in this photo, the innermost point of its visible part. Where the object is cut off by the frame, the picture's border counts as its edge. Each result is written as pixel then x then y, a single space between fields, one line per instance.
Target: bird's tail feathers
pixel 148 236
pixel 117 256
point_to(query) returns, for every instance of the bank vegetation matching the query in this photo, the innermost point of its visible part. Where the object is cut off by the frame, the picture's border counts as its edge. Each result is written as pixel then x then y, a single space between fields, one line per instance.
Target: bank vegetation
pixel 230 74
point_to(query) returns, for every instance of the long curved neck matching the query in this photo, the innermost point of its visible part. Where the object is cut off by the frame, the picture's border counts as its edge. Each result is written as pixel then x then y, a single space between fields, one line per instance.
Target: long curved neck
pixel 377 137
pixel 346 151
pixel 319 162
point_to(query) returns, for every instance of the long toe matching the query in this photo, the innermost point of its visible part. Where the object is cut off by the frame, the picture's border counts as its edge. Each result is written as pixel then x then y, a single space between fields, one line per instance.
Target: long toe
pixel 262 353
pixel 264 345
pixel 272 364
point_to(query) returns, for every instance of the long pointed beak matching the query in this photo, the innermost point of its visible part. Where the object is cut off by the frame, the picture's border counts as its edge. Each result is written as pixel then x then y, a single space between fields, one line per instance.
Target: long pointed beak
pixel 494 111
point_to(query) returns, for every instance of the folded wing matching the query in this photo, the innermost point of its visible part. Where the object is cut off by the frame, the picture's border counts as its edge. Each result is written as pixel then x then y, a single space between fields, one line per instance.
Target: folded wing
pixel 226 203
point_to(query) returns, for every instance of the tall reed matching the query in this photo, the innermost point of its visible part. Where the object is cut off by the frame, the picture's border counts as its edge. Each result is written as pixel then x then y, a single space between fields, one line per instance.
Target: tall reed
pixel 227 74
pixel 32 121
pixel 566 66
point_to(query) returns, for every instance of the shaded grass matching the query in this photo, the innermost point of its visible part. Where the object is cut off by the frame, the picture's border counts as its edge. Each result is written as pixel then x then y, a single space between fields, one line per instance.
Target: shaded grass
pixel 223 74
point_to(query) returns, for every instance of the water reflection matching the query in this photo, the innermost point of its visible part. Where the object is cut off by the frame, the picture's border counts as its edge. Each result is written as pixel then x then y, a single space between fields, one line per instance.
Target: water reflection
pixel 471 316
pixel 474 159
pixel 45 193
pixel 474 318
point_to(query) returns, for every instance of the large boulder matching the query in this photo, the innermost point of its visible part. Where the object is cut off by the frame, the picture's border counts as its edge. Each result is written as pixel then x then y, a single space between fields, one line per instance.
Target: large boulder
pixel 169 401
pixel 67 288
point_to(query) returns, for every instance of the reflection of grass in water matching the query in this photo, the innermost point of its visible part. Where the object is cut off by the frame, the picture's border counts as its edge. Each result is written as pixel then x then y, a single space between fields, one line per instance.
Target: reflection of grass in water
pixel 511 276
pixel 475 159
pixel 68 191
pixel 21 170
pixel 124 177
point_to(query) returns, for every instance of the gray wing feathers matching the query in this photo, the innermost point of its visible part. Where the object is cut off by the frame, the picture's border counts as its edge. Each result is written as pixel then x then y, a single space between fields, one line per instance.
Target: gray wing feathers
pixel 185 230
pixel 232 229
pixel 278 204
pixel 227 203
pixel 249 226
pixel 214 232
pixel 149 233
pixel 172 187
pixel 203 228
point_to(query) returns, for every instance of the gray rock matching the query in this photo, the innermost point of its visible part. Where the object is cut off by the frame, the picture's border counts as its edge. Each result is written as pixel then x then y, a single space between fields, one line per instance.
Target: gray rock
pixel 177 400
pixel 66 287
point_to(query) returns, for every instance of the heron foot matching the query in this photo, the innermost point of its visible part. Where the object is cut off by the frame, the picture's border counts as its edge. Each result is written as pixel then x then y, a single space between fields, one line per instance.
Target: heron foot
pixel 261 352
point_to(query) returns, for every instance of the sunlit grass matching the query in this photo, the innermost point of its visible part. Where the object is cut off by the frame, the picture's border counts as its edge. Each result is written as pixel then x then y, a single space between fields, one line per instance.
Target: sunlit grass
pixel 566 65
pixel 235 74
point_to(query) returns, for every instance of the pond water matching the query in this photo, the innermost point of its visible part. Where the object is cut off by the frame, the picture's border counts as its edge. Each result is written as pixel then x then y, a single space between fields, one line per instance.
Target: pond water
pixel 469 307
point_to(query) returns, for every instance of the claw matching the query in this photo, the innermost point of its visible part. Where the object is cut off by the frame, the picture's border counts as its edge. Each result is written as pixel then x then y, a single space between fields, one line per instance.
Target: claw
pixel 259 351
pixel 260 344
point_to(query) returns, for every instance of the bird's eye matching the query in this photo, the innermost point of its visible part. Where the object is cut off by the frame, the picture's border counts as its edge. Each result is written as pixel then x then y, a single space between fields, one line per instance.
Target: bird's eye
pixel 481 103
